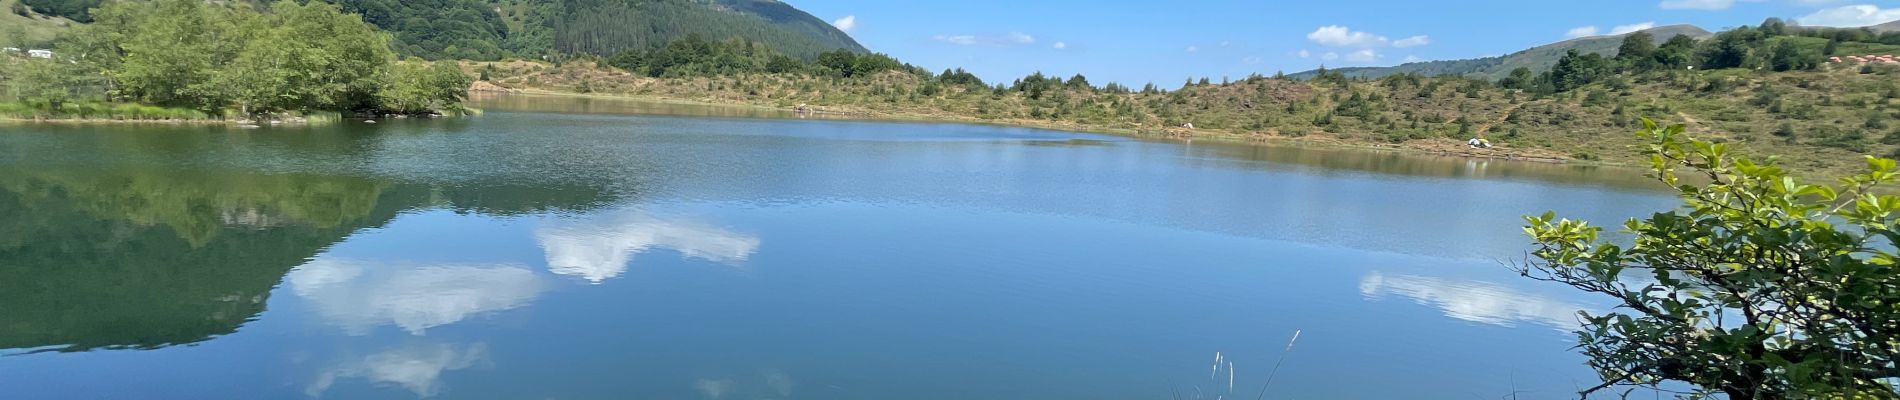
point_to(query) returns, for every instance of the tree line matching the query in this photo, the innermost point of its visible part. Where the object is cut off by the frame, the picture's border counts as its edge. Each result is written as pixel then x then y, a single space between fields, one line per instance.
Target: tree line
pixel 242 58
pixel 1772 46
pixel 695 56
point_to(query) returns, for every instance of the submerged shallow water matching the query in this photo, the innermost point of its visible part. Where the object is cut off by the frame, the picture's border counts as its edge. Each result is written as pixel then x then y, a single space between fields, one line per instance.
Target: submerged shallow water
pixel 574 248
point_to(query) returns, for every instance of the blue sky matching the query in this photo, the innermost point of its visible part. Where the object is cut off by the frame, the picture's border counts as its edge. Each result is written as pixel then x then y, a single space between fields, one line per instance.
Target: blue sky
pixel 1135 42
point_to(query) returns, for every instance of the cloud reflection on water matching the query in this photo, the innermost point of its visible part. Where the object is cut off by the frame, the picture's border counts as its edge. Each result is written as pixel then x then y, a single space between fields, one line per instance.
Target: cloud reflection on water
pixel 1474 301
pixel 599 247
pixel 417 368
pixel 359 295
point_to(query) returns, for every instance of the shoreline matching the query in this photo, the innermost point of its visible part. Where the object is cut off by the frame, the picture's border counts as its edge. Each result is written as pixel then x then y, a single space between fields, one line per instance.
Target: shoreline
pixel 305 120
pixel 113 121
pixel 1448 149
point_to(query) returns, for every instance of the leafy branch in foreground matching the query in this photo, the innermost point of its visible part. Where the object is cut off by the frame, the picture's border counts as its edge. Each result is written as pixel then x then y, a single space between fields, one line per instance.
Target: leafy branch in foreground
pixel 1760 287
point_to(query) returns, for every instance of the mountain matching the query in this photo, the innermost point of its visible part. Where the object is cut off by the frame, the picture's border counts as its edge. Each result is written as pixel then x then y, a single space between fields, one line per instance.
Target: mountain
pixel 1536 58
pixel 605 27
pixel 495 29
pixel 1890 26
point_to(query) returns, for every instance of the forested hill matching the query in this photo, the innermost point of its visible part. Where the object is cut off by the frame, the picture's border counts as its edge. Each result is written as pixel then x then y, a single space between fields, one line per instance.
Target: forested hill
pixel 609 26
pixel 495 29
pixel 1536 58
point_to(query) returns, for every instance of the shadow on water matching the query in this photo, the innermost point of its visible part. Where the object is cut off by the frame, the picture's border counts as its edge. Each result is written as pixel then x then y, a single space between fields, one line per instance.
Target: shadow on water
pixel 172 246
pixel 147 260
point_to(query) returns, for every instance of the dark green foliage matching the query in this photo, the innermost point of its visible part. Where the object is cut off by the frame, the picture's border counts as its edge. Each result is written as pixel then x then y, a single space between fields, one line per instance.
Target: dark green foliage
pixel 1575 70
pixel 696 56
pixel 20 9
pixel 610 26
pixel 1638 52
pixel 1676 53
pixel 475 30
pixel 846 63
pixel 218 57
pixel 1520 79
pixel 1787 56
pixel 436 29
pixel 416 88
pixel 1732 49
pixel 960 77
pixel 1078 82
pixel 1037 85
pixel 1760 287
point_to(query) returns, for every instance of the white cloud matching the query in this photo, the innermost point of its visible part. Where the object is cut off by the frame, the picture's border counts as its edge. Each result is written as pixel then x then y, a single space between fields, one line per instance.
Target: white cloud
pixel 847 23
pixel 1192 49
pixel 601 246
pixel 1631 28
pixel 1414 41
pixel 1060 45
pixel 1363 56
pixel 715 389
pixel 1250 60
pixel 957 39
pixel 1413 59
pixel 1851 16
pixel 1007 39
pixel 418 368
pixel 1224 43
pixel 1329 56
pixel 1304 54
pixel 1580 31
pixel 1341 36
pixel 1817 3
pixel 359 295
pixel 1475 301
pixel 1697 4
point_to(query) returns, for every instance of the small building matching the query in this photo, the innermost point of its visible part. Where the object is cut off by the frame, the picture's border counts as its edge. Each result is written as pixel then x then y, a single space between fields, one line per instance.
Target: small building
pixel 40 53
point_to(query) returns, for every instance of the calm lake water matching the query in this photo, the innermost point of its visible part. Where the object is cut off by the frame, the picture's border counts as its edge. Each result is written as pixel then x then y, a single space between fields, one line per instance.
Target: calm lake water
pixel 580 249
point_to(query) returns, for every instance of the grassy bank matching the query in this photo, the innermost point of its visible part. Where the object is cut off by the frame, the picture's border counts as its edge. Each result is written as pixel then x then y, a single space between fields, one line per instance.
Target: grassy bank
pixel 102 112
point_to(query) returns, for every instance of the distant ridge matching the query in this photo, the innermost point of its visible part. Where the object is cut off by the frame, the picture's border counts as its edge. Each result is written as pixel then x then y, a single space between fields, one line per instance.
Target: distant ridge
pixel 1890 26
pixel 1536 58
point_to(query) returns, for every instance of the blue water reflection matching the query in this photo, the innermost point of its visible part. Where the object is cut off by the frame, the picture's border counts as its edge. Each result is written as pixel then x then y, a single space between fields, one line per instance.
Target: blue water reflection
pixel 559 255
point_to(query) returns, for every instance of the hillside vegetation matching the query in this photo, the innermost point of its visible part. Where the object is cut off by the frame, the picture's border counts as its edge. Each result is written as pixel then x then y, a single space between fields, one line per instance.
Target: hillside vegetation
pixel 497 29
pixel 210 60
pixel 1882 39
pixel 1536 58
pixel 21 27
pixel 1763 89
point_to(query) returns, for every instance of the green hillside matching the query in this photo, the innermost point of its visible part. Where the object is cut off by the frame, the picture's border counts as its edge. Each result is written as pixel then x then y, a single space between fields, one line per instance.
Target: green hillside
pixel 495 29
pixel 21 27
pixel 606 27
pixel 1536 58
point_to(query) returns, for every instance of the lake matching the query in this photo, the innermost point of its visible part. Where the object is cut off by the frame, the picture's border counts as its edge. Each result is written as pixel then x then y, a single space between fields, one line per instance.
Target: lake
pixel 559 248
